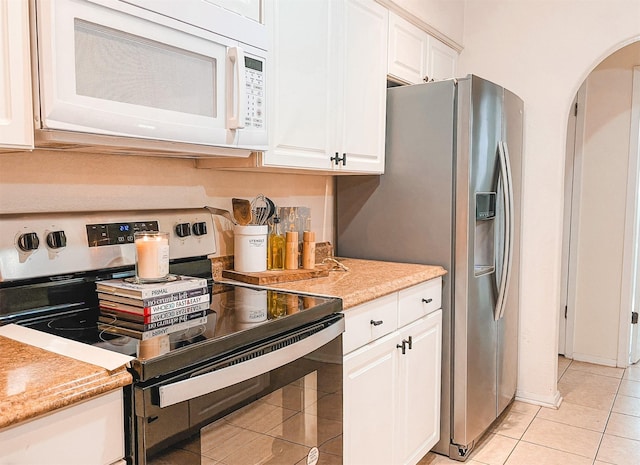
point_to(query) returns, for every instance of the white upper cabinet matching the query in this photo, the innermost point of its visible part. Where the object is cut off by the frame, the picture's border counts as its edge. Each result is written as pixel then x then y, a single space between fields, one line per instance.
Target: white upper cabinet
pixel 415 56
pixel 408 51
pixel 327 78
pixel 443 61
pixel 442 19
pixel 16 123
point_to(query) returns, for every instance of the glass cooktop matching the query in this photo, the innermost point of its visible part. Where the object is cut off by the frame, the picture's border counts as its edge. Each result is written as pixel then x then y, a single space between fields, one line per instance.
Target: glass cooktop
pixel 236 316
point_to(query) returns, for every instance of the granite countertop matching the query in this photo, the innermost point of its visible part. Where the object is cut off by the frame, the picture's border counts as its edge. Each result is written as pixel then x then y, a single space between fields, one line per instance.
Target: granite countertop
pixel 366 280
pixel 34 381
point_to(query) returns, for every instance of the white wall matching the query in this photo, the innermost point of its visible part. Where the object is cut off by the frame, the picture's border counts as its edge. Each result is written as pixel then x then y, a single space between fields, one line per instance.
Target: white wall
pixel 601 226
pixel 42 181
pixel 543 50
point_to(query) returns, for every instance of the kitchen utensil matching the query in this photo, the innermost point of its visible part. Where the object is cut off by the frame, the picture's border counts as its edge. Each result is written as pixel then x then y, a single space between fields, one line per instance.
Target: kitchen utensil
pixel 272 208
pixel 241 211
pixel 221 212
pixel 259 210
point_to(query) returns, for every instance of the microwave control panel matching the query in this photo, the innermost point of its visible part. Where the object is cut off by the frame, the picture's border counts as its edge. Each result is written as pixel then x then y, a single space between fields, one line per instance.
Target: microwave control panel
pixel 254 79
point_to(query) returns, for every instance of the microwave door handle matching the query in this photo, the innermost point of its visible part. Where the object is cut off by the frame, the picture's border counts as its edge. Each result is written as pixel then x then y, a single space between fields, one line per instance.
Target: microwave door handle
pixel 236 90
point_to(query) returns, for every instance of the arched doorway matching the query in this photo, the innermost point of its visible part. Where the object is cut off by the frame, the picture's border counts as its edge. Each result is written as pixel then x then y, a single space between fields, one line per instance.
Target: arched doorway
pixel 601 181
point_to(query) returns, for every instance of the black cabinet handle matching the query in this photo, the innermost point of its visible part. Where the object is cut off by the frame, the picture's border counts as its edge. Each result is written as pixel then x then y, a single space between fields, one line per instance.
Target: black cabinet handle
pixel 376 322
pixel 427 301
pixel 409 342
pixel 337 159
pixel 403 347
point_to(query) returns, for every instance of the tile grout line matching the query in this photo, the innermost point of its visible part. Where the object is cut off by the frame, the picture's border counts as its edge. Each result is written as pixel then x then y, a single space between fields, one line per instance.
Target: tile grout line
pixel 566 369
pixel 595 458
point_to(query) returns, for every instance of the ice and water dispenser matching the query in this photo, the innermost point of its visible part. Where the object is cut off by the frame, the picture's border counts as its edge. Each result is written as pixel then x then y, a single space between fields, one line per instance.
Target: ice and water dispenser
pixel 485 234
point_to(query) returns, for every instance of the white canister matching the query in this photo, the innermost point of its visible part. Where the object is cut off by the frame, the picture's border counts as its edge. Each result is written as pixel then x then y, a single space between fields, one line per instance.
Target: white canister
pixel 250 247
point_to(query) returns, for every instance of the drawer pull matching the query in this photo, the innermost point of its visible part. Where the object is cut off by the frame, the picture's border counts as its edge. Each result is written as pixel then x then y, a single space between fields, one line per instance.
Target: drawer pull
pixel 376 322
pixel 427 301
pixel 403 347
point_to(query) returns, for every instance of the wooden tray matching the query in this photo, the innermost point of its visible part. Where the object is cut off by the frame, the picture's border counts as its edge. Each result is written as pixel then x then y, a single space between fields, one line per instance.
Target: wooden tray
pixel 274 277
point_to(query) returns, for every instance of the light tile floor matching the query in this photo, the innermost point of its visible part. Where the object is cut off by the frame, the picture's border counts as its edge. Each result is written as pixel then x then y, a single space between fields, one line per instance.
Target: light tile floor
pixel 597 423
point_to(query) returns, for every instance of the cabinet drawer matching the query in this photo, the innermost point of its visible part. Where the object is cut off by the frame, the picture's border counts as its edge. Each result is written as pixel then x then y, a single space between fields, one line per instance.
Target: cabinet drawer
pixel 419 300
pixel 369 321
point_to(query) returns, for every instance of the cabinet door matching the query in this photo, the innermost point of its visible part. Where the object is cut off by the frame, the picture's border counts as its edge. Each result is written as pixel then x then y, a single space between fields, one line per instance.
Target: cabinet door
pixel 89 432
pixel 407 51
pixel 360 124
pixel 369 385
pixel 419 389
pixel 443 60
pixel 299 76
pixel 16 127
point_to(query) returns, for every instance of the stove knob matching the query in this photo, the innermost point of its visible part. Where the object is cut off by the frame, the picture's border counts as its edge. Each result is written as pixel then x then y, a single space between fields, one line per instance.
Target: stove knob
pixel 57 239
pixel 199 229
pixel 183 229
pixel 28 241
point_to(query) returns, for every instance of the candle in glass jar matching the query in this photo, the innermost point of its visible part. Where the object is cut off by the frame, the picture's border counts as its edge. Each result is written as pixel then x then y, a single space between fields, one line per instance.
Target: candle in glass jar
pixel 152 255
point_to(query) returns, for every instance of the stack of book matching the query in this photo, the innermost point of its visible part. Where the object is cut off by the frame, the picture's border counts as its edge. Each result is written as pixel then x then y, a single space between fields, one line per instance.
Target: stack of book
pixel 144 311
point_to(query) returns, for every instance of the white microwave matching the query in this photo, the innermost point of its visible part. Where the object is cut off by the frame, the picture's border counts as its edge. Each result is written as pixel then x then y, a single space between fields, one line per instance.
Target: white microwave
pixel 182 78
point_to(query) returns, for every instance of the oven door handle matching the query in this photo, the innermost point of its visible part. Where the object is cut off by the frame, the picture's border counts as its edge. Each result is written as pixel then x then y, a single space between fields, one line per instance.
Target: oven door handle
pixel 191 388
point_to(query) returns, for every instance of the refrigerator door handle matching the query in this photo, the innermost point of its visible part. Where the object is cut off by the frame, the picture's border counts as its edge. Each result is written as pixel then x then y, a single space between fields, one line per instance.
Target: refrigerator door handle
pixel 507 193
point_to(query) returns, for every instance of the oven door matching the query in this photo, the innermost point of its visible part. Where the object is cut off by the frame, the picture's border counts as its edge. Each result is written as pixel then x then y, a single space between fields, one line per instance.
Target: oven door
pixel 114 69
pixel 279 401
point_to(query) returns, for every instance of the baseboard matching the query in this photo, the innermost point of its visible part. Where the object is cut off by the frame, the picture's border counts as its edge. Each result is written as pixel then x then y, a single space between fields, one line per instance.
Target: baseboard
pixel 553 401
pixel 610 362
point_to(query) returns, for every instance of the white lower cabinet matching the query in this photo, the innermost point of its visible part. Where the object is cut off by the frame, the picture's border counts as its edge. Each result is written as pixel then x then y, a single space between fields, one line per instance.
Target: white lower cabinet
pixel 392 381
pixel 369 403
pixel 418 389
pixel 91 432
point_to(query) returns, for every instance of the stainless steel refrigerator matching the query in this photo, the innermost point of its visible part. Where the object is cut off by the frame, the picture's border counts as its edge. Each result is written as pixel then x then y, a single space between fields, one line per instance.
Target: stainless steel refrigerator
pixel 451 196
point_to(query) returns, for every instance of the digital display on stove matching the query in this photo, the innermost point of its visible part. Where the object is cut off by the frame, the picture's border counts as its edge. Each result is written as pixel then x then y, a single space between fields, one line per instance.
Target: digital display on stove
pixel 99 235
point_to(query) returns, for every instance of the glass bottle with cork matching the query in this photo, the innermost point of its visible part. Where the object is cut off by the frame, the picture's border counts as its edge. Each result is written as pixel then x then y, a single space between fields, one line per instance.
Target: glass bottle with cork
pixel 275 249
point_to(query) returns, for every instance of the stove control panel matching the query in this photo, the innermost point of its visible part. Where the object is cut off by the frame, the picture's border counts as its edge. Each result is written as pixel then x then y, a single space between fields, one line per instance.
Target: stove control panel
pixel 47 244
pixel 116 233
